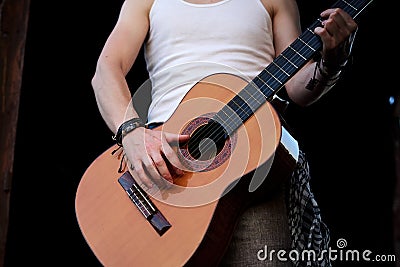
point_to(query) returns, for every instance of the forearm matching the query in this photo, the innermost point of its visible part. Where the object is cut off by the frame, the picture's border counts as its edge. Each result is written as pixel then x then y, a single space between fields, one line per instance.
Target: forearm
pixel 337 33
pixel 320 76
pixel 312 82
pixel 112 95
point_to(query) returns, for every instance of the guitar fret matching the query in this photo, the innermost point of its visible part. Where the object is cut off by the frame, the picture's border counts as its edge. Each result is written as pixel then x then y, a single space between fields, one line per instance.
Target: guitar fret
pixel 282 62
pixel 312 40
pixel 350 5
pixel 276 74
pixel 276 79
pixel 307 44
pixel 269 88
pixel 308 29
pixel 305 50
pixel 242 105
pixel 260 83
pixel 93 193
pixel 253 92
pixel 228 119
pixel 288 60
pixel 282 70
pixel 295 58
pixel 263 82
pixel 297 52
pixel 353 8
pixel 222 118
pixel 345 5
pixel 229 115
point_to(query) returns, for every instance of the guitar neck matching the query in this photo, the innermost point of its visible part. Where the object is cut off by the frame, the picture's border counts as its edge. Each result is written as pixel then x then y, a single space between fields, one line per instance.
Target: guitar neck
pixel 294 57
pixel 273 78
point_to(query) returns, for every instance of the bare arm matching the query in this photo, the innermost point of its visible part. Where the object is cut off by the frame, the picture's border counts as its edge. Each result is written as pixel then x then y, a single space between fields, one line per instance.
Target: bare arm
pixel 117 57
pixel 145 149
pixel 338 26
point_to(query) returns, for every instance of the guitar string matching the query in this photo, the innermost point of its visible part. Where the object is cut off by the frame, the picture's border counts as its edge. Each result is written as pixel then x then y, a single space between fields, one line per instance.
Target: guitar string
pixel 292 61
pixel 265 84
pixel 277 78
pixel 248 103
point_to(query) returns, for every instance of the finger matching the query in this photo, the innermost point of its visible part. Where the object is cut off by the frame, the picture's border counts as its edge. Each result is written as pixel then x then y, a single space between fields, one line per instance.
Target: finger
pixel 175 171
pixel 175 139
pixel 338 26
pixel 339 18
pixel 347 19
pixel 172 157
pixel 138 171
pixel 161 167
pixel 327 33
pixel 338 22
pixel 327 12
pixel 323 34
pixel 152 171
pixel 173 160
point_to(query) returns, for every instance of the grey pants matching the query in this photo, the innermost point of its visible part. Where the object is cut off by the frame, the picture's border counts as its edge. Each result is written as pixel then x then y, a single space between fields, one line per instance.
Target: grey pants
pixel 263 226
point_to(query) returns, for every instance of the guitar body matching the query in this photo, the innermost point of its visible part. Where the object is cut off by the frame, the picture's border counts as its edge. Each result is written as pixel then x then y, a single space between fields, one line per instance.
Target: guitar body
pixel 119 235
pixel 191 222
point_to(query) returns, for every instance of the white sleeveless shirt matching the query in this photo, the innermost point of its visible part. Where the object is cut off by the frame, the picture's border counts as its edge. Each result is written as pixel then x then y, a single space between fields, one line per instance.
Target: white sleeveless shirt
pixel 188 42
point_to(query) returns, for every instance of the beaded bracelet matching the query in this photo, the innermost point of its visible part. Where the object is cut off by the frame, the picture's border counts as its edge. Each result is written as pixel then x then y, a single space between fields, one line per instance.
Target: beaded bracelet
pixel 126 128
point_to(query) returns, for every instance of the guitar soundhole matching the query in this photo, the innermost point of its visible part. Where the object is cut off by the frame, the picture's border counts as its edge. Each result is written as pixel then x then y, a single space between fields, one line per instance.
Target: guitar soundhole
pixel 207 141
pixel 209 145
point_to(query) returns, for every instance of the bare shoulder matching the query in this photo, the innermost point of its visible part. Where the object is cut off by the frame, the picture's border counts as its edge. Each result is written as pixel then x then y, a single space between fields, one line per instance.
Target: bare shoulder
pixel 138 6
pixel 274 7
pixel 285 21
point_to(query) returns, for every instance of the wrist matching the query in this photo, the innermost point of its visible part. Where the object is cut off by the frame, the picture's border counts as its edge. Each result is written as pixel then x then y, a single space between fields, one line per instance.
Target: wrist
pixel 127 127
pixel 334 62
pixel 324 76
pixel 328 68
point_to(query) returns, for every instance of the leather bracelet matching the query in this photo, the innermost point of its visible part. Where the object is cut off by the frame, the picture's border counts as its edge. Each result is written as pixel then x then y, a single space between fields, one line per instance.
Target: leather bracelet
pixel 328 72
pixel 127 127
pixel 329 68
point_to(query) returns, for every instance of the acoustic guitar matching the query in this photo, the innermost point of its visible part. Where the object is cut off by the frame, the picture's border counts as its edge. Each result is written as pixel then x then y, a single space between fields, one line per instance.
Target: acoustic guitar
pixel 239 149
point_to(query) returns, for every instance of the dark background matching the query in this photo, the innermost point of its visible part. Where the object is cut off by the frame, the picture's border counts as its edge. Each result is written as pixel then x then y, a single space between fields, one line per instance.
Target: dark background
pixel 347 135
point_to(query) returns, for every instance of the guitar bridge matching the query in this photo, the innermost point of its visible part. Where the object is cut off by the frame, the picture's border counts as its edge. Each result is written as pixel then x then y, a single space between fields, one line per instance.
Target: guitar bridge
pixel 144 203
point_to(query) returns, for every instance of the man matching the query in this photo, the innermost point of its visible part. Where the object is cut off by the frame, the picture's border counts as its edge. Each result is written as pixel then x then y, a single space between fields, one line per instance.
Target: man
pixel 238 36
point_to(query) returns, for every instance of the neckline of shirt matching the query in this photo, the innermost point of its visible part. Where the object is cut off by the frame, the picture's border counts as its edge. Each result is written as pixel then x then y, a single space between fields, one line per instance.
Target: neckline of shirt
pixel 205 5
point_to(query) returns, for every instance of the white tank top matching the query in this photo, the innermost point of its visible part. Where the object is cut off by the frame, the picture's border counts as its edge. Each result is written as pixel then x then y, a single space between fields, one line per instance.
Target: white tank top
pixel 188 42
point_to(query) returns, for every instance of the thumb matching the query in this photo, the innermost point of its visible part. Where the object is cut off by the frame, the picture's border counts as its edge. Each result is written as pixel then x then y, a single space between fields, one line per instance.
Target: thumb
pixel 173 138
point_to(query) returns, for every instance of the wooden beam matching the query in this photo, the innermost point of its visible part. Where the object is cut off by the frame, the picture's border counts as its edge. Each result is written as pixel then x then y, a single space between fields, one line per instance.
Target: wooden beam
pixel 13 28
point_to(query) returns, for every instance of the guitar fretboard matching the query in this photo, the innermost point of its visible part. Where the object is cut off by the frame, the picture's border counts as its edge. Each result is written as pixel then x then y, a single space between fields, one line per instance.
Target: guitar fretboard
pixel 266 84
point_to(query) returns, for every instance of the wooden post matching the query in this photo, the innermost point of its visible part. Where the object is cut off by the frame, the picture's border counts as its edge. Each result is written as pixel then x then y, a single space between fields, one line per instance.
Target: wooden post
pixel 13 27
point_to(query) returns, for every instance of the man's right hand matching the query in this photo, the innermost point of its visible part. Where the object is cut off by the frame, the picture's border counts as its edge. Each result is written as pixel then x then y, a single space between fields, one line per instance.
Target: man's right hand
pixel 151 156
